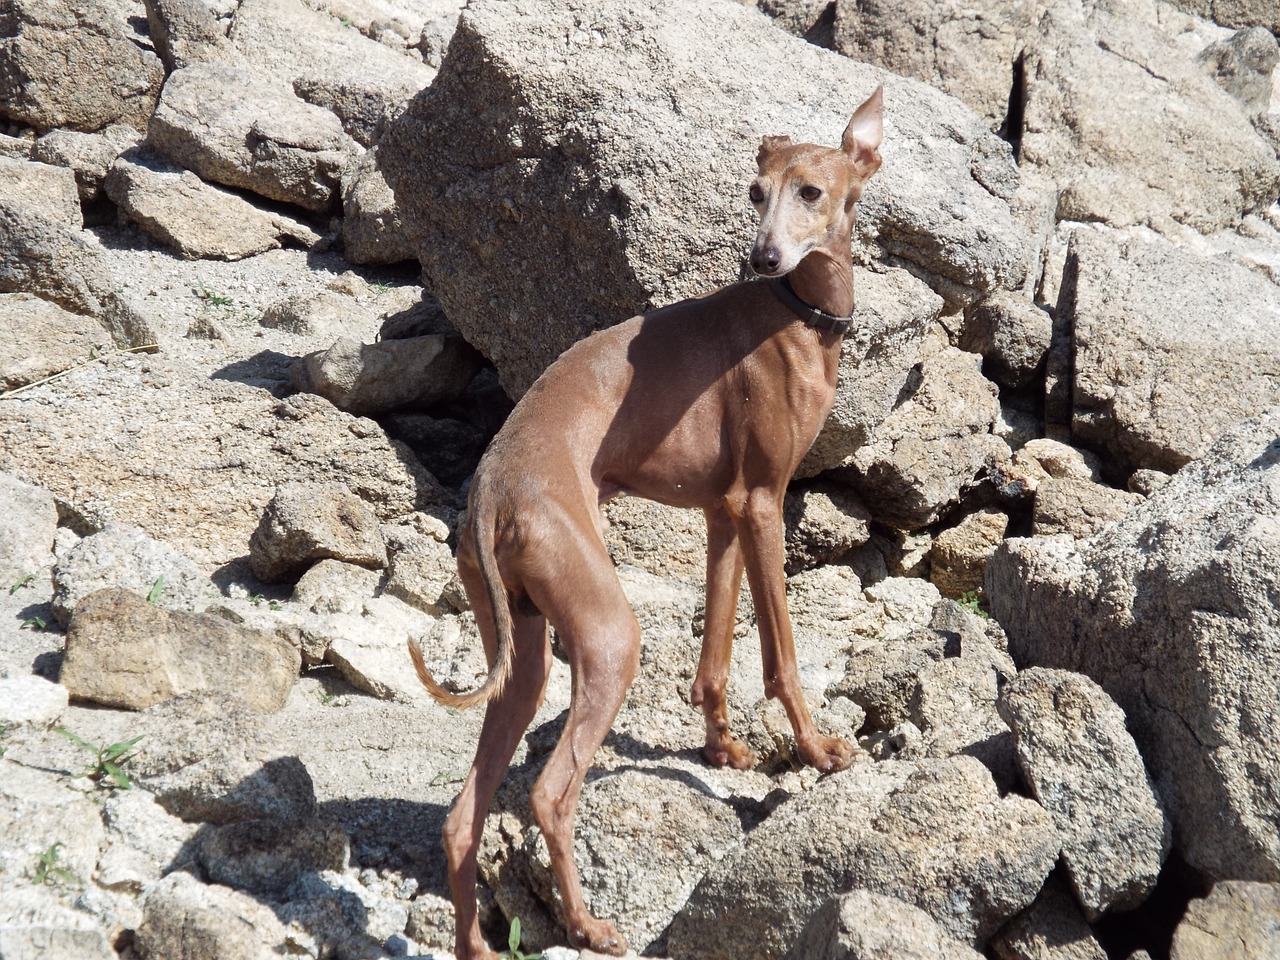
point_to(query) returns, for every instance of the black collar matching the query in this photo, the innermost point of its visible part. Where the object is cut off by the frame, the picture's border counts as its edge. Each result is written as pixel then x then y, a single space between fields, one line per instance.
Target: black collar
pixel 812 316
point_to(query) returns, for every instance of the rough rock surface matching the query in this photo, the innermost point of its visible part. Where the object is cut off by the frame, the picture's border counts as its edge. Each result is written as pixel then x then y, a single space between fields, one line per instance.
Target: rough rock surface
pixel 28 525
pixel 1236 920
pixel 1083 766
pixel 1052 928
pixel 1173 611
pixel 304 523
pixel 1077 507
pixel 934 834
pixel 868 926
pixel 1144 314
pixel 536 136
pixel 124 652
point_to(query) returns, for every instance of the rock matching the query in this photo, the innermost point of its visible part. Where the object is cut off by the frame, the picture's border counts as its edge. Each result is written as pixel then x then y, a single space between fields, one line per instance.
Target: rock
pixel 958 557
pixel 1171 610
pixel 34 922
pixel 810 19
pixel 969 51
pixel 38 339
pixel 422 568
pixel 38 810
pixel 868 926
pixel 28 523
pixel 1144 314
pixel 1079 508
pixel 372 231
pixel 667 831
pixel 335 914
pixel 186 32
pixel 53 189
pixel 30 701
pixel 305 523
pixel 124 652
pixel 883 674
pixel 372 378
pixel 322 313
pixel 934 446
pixel 115 434
pixel 1147 138
pixel 117 79
pixel 1146 482
pixel 46 258
pixel 266 857
pixel 1243 64
pixel 225 125
pixel 327 63
pixel 1082 765
pixel 211 759
pixel 449 448
pixel 823 523
pixel 607 179
pixel 661 540
pixel 185 919
pixel 124 556
pixel 88 156
pixel 1052 458
pixel 178 209
pixel 369 653
pixel 895 312
pixel 1052 928
pixel 1011 333
pixel 144 841
pixel 935 835
pixel 1238 920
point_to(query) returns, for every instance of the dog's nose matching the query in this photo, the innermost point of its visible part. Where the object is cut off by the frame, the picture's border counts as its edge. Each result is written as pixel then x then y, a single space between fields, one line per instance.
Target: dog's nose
pixel 765 259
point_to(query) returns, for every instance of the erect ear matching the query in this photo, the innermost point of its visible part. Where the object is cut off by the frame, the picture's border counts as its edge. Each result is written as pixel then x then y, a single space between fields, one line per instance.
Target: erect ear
pixel 864 134
pixel 768 145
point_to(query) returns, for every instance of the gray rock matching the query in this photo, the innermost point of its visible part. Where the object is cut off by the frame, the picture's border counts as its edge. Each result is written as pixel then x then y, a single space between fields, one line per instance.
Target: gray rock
pixel 1172 610
pixel 1144 314
pixel 883 674
pixel 503 158
pixel 40 808
pixel 1238 920
pixel 1079 508
pixel 186 32
pixel 305 523
pixel 225 125
pixel 144 841
pixel 199 221
pixel 1243 64
pixel 372 231
pixel 1082 765
pixel 1011 333
pixel 28 523
pixel 106 434
pixel 30 701
pixel 811 19
pixel 88 155
pixel 1052 458
pixel 185 918
pixel 124 556
pixel 823 523
pixel 51 188
pixel 1052 928
pixel 211 759
pixel 422 570
pixel 958 557
pixel 1132 129
pixel 935 835
pixel 124 652
pixel 868 926
pixel 967 50
pixel 373 378
pixel 935 445
pixel 267 857
pixel 322 313
pixel 116 78
pixel 35 923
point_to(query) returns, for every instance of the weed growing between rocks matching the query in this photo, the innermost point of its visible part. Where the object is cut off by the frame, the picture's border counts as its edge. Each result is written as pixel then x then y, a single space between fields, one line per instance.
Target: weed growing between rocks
pixel 107 767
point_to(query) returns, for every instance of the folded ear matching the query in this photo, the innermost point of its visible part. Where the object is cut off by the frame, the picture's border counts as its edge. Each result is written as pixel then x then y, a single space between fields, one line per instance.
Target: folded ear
pixel 865 133
pixel 768 145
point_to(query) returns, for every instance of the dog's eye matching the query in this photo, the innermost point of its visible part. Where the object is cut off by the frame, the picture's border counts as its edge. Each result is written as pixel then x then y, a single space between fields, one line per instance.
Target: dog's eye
pixel 810 193
pixel 756 194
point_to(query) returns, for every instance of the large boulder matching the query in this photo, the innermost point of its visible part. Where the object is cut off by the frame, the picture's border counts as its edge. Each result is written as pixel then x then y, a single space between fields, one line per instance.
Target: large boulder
pixel 1172 610
pixel 1143 315
pixel 1236 921
pixel 115 78
pixel 574 165
pixel 934 834
pixel 869 926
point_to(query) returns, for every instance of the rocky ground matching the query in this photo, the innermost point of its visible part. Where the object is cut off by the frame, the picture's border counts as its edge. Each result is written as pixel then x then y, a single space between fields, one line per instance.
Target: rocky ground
pixel 272 273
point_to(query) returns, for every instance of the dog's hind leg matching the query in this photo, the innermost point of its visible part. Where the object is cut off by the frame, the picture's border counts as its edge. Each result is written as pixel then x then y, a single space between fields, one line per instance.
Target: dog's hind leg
pixel 506 718
pixel 602 640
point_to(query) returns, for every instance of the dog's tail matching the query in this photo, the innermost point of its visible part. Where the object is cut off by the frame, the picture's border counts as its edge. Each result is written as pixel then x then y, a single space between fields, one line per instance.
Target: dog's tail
pixel 500 670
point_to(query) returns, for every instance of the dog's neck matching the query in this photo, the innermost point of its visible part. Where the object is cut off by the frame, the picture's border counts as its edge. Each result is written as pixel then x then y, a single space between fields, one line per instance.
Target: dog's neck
pixel 825 280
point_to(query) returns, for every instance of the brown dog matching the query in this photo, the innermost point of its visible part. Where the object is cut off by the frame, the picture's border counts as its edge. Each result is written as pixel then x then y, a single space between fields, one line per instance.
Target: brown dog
pixel 708 403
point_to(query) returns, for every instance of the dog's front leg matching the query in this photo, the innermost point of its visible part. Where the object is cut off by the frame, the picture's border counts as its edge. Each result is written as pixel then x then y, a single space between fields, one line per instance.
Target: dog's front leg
pixel 724 578
pixel 760 532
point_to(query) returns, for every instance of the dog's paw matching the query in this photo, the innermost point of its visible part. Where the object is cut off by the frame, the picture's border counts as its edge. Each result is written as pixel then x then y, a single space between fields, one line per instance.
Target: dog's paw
pixel 729 753
pixel 598 935
pixel 829 754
